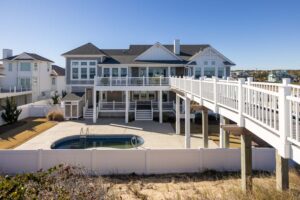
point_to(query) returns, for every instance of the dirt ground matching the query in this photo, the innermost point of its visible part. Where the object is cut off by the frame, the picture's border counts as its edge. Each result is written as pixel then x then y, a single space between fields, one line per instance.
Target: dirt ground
pixel 13 135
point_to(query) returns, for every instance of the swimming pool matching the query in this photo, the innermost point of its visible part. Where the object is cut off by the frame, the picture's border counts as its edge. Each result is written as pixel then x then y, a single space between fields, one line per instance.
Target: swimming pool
pixel 120 141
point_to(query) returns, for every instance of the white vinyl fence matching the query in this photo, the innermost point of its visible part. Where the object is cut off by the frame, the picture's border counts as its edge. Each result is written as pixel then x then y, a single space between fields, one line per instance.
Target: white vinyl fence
pixel 139 161
pixel 33 110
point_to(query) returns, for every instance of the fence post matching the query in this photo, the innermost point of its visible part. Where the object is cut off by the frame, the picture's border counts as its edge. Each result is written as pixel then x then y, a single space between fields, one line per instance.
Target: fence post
pixel 113 104
pixel 215 80
pixel 160 80
pixel 284 116
pixel 241 121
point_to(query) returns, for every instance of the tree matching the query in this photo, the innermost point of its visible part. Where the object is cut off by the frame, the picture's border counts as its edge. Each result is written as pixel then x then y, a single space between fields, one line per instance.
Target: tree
pixel 11 112
pixel 55 98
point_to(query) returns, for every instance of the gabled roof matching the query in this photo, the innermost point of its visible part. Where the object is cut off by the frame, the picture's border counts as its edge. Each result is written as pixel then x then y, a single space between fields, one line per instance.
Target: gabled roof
pixel 128 56
pixel 32 56
pixel 58 71
pixel 86 49
pixel 163 50
pixel 72 97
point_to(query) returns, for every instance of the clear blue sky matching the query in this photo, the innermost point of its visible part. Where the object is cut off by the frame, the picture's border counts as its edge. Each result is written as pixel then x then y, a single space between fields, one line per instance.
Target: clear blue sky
pixel 253 33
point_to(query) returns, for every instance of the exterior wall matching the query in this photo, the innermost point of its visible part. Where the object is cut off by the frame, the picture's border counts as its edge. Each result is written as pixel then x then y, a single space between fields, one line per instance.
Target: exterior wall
pixel 43 77
pixel 210 56
pixel 69 71
pixel 115 96
pixel 60 84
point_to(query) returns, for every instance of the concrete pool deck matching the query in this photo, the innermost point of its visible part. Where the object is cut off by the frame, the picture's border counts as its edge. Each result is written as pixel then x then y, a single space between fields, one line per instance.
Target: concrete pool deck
pixel 155 135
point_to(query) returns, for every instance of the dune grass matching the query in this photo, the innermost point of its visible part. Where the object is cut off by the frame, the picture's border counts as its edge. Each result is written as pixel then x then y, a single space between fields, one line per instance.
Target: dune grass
pixel 67 182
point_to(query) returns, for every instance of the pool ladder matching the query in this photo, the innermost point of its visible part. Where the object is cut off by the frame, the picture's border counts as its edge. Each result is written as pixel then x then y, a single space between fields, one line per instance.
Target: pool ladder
pixel 134 141
pixel 82 134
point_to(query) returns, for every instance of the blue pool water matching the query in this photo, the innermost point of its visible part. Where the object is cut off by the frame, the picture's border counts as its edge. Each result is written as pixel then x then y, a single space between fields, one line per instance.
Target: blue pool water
pixel 95 141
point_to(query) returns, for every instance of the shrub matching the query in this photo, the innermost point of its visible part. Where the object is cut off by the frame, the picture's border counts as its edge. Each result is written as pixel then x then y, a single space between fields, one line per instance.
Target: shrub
pixel 11 112
pixel 55 98
pixel 55 116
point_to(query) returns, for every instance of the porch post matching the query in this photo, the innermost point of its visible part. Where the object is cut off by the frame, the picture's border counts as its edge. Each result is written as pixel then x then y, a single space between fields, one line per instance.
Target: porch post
pixel 204 128
pixel 246 162
pixel 94 106
pixel 282 172
pixel 224 135
pixel 160 107
pixel 177 114
pixel 187 124
pixel 126 106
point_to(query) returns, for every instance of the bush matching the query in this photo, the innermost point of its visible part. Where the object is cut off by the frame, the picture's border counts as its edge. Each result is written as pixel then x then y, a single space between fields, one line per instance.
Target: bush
pixel 55 116
pixel 11 112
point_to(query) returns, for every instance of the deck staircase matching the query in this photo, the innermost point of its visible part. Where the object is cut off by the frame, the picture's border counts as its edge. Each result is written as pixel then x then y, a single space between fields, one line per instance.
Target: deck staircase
pixel 143 115
pixel 88 114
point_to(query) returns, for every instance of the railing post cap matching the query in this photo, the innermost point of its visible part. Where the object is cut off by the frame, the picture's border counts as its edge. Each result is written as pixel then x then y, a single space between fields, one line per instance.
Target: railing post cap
pixel 286 81
pixel 250 79
pixel 241 80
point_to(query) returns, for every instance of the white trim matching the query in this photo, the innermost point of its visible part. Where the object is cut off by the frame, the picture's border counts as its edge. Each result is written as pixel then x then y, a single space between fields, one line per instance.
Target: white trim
pixel 76 56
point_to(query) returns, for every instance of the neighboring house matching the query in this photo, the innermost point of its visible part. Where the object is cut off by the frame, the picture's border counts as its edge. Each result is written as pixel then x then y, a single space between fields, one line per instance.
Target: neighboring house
pixel 278 75
pixel 27 72
pixel 58 79
pixel 137 75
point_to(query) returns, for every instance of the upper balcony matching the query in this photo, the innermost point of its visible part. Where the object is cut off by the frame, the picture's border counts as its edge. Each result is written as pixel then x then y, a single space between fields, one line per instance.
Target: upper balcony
pixel 14 91
pixel 132 83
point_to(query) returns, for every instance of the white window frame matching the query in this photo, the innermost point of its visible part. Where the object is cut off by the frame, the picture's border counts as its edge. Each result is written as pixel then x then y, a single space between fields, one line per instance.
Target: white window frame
pixel 79 66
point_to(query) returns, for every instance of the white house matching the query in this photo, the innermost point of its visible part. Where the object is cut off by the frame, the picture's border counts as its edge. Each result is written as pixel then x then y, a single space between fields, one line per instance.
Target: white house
pixel 58 79
pixel 27 72
pixel 133 82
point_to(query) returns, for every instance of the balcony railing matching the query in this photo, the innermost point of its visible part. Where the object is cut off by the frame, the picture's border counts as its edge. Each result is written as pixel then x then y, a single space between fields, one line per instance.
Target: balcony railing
pixel 14 89
pixel 131 81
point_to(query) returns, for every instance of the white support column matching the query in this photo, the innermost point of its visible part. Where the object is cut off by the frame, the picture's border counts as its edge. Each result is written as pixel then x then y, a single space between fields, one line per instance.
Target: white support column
pixel 224 136
pixel 160 107
pixel 241 121
pixel 94 106
pixel 187 124
pixel 126 106
pixel 284 118
pixel 177 114
pixel 222 133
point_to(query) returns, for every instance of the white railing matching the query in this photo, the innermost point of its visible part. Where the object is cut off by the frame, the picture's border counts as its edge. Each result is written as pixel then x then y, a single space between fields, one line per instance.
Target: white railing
pixel 120 106
pixel 273 106
pixel 14 89
pixel 294 107
pixel 85 107
pixel 131 81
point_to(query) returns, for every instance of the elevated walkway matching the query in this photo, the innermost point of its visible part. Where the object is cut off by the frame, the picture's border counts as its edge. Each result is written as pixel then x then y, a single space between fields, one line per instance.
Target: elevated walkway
pixel 268 110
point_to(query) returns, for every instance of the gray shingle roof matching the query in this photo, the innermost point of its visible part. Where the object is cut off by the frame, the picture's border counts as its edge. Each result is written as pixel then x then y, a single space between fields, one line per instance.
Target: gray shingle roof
pixel 58 70
pixel 86 49
pixel 33 55
pixel 127 56
pixel 71 97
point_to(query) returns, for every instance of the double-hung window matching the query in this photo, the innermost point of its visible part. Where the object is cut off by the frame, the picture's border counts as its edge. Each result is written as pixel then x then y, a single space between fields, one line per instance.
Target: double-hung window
pixel 25 66
pixel 106 72
pixel 92 72
pixel 75 73
pixel 123 72
pixel 115 72
pixel 84 73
